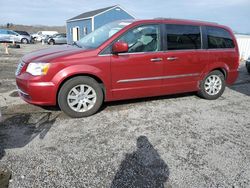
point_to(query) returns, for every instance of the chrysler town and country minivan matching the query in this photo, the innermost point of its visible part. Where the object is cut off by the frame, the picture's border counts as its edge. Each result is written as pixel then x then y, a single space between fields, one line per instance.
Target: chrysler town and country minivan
pixel 131 59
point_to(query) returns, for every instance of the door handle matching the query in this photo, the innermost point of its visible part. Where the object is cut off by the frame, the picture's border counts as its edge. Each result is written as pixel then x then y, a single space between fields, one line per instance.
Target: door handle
pixel 156 59
pixel 172 58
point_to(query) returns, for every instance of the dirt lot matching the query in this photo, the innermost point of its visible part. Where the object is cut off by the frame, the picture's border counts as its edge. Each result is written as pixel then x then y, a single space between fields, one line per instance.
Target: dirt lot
pixel 172 141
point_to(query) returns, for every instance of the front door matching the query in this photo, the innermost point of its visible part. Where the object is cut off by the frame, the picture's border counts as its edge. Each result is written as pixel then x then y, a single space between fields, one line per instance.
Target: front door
pixel 138 72
pixel 60 39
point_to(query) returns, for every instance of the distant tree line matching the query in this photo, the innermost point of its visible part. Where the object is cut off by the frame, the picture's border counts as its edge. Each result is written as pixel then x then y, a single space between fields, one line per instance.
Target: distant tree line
pixel 7 25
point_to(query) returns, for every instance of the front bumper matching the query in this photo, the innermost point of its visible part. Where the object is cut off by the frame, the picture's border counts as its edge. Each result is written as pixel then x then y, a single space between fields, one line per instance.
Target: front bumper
pixel 34 91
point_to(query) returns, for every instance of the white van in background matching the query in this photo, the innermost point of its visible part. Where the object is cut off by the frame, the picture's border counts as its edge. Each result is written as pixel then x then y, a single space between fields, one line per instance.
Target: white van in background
pixel 40 34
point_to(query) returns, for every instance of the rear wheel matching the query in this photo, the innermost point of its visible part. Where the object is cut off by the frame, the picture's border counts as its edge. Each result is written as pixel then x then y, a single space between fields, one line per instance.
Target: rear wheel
pixel 80 96
pixel 248 68
pixel 212 86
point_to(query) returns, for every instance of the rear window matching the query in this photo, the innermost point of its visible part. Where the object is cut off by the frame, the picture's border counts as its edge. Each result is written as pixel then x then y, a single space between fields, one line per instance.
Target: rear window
pixel 219 38
pixel 22 32
pixel 183 37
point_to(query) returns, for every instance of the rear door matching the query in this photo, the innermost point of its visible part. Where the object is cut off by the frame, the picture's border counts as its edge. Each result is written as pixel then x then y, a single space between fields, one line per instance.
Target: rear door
pixel 13 36
pixel 4 37
pixel 221 47
pixel 184 59
pixel 138 72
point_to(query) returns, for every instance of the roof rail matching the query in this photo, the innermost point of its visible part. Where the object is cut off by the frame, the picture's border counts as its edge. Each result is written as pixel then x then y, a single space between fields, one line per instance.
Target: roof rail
pixel 162 18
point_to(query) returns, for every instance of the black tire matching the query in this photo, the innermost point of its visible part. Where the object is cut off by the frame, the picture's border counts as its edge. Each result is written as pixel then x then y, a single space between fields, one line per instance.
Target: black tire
pixel 24 41
pixel 51 42
pixel 248 68
pixel 204 94
pixel 70 84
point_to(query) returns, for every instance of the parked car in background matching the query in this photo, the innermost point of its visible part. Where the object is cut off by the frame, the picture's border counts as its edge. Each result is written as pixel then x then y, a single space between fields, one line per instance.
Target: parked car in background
pixel 39 35
pixel 142 58
pixel 10 36
pixel 26 34
pixel 57 39
pixel 248 65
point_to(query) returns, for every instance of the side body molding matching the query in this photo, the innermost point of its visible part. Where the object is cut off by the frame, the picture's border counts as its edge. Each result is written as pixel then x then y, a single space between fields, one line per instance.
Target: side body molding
pixel 75 70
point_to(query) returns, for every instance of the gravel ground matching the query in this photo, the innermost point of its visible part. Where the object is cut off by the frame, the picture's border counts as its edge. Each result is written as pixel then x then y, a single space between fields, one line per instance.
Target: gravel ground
pixel 171 141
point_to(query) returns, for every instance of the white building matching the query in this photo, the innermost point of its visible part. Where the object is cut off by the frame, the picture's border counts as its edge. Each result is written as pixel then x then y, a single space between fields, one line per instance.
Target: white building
pixel 244 45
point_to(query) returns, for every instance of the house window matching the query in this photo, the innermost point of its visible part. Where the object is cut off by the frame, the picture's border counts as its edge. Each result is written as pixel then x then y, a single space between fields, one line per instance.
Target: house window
pixel 85 31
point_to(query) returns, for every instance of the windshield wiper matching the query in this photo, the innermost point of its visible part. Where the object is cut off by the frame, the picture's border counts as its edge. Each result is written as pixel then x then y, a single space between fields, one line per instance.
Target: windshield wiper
pixel 75 44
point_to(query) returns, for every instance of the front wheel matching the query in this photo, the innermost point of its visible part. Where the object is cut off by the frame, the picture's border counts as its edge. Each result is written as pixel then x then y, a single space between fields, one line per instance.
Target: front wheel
pixel 212 86
pixel 24 41
pixel 51 42
pixel 80 96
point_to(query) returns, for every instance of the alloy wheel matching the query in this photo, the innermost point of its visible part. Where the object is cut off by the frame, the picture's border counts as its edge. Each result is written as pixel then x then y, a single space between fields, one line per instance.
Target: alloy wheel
pixel 213 84
pixel 81 98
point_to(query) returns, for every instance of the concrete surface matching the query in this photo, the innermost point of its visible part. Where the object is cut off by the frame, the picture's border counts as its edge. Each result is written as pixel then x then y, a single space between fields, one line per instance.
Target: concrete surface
pixel 171 141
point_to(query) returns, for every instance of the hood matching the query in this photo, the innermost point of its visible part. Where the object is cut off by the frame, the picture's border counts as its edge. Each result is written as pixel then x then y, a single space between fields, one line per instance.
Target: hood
pixel 47 54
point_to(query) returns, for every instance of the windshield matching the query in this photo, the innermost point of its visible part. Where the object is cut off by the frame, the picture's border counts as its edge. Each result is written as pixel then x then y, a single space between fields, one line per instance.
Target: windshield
pixel 97 37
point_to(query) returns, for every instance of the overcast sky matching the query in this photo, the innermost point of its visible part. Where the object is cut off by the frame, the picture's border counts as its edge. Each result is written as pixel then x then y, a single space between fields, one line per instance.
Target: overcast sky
pixel 233 13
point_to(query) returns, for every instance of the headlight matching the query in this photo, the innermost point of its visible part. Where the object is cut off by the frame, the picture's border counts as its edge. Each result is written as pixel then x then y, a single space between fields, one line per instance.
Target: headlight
pixel 38 69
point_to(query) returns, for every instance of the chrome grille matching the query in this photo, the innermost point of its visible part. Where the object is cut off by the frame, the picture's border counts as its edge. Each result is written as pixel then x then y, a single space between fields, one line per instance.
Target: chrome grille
pixel 19 67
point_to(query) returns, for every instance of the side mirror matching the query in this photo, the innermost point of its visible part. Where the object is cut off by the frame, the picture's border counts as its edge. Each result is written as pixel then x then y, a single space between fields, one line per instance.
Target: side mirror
pixel 119 47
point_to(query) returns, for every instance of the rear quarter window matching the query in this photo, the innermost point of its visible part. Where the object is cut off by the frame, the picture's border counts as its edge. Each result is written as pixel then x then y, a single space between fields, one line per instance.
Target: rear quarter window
pixel 219 38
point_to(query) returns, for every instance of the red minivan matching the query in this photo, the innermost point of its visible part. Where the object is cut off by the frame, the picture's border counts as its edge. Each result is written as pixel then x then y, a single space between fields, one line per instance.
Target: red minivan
pixel 131 59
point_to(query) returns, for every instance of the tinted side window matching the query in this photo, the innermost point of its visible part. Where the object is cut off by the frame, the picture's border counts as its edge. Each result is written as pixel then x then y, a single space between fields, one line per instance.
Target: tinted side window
pixel 23 33
pixel 11 33
pixel 182 37
pixel 219 38
pixel 61 36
